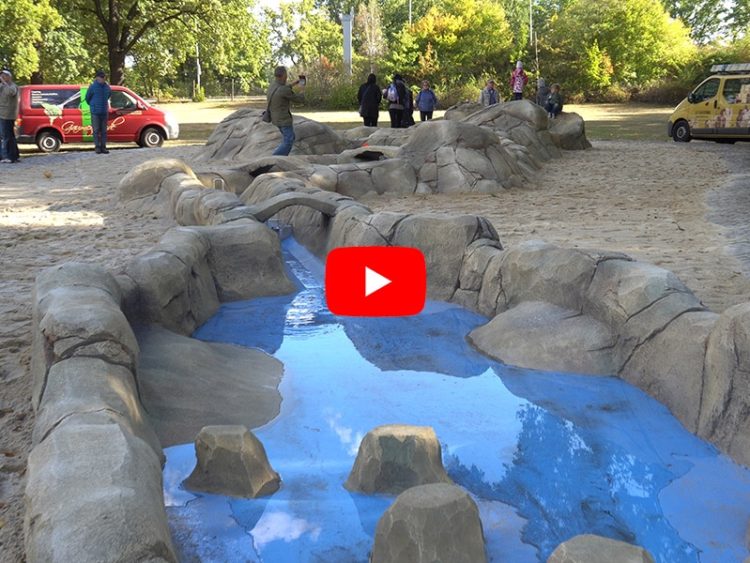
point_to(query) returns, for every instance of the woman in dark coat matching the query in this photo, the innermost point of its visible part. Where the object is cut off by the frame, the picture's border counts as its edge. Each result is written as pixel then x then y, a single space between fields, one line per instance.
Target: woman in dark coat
pixel 369 98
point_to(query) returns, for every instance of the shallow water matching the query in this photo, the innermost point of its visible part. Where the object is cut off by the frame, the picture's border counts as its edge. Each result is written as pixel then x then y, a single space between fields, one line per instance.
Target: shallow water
pixel 546 455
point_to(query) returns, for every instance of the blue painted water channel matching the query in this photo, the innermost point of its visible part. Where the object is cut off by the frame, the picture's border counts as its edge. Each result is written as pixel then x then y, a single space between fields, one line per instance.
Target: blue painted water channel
pixel 546 455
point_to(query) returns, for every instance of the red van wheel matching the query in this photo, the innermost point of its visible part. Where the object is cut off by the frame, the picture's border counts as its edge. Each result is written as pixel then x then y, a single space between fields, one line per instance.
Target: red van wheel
pixel 151 138
pixel 48 141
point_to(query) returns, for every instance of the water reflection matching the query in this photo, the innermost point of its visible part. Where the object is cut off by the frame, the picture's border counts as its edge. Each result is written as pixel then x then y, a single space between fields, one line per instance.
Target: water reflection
pixel 546 456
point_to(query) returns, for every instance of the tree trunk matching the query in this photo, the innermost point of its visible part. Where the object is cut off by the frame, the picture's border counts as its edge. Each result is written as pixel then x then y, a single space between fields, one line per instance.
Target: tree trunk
pixel 116 67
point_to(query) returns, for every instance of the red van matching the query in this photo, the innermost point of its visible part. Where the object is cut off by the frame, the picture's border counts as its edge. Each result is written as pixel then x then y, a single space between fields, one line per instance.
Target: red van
pixel 52 114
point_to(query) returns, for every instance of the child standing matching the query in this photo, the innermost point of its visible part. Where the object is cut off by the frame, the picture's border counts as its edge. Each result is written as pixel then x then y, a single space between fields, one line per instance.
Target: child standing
pixel 426 101
pixel 554 103
pixel 518 80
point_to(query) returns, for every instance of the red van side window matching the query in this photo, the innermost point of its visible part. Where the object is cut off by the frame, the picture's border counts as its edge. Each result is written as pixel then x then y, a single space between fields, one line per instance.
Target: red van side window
pixel 67 98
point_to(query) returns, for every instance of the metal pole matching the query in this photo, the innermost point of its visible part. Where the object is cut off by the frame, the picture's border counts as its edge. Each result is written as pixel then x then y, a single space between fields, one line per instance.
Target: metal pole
pixel 531 23
pixel 409 13
pixel 346 23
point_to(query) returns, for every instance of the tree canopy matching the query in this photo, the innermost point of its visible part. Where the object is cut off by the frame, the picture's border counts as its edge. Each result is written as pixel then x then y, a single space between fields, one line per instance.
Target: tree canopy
pixel 164 47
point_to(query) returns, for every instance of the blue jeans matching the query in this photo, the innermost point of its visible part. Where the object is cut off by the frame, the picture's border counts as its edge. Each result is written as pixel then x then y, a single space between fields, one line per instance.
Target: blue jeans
pixel 287 140
pixel 8 146
pixel 99 125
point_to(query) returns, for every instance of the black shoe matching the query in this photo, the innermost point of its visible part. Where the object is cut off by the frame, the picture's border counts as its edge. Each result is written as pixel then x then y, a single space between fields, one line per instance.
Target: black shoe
pixel 16 161
pixel 105 151
pixel 97 151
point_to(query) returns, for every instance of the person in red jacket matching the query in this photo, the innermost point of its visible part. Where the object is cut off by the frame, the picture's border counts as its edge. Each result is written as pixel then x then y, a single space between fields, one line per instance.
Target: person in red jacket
pixel 518 80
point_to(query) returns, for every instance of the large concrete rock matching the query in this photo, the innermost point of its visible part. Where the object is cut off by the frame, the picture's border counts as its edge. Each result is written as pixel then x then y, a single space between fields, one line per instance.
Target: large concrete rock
pixel 243 136
pixel 589 548
pixel 462 110
pixel 522 121
pixel 568 131
pixel 443 240
pixel 94 494
pixel 458 157
pixel 77 314
pixel 725 406
pixel 540 335
pixel 669 366
pixel 80 386
pixel 430 523
pixel 245 260
pixel 175 287
pixel 232 461
pixel 395 457
pixel 145 179
pixel 538 271
pixel 187 384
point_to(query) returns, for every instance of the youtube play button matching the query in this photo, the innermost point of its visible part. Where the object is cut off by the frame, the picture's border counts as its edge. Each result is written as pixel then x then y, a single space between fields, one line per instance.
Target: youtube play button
pixel 375 281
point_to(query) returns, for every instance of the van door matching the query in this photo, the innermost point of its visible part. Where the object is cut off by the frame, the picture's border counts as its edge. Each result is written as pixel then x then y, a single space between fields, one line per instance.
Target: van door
pixel 734 119
pixel 124 117
pixel 58 108
pixel 704 101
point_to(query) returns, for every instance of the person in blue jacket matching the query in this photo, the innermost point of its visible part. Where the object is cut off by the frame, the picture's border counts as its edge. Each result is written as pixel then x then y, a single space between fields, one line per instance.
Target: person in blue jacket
pixel 426 101
pixel 97 97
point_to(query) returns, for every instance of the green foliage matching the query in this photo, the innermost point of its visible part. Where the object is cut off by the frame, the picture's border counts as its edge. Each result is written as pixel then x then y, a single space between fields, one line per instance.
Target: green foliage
pixel 627 42
pixel 24 24
pixel 199 95
pixel 704 18
pixel 459 40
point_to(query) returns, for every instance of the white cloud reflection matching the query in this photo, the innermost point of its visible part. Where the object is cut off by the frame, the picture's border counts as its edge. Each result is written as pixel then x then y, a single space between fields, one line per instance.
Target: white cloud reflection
pixel 281 526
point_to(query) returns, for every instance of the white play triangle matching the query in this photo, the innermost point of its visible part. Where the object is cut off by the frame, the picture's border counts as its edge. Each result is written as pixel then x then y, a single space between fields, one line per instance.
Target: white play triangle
pixel 374 281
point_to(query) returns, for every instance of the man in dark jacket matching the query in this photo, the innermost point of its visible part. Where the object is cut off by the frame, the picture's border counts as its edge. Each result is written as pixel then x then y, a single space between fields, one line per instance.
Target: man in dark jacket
pixel 369 97
pixel 279 98
pixel 97 97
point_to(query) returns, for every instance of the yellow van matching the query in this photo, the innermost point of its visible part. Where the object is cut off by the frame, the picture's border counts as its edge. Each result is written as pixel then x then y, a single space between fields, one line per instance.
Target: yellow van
pixel 718 109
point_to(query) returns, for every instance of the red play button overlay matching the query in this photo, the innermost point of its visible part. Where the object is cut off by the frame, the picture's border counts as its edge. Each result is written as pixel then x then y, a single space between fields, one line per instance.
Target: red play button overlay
pixel 375 281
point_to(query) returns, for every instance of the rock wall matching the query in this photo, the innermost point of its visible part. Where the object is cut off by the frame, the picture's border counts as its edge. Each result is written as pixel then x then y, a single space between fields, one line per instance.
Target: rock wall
pixel 95 469
pixel 94 490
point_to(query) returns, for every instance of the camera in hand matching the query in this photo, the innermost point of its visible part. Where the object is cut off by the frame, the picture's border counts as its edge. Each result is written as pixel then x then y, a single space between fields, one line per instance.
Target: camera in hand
pixel 302 80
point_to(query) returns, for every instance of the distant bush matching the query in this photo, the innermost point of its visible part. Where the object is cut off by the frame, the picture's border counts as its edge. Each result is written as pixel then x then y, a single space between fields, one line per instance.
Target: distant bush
pixel 200 95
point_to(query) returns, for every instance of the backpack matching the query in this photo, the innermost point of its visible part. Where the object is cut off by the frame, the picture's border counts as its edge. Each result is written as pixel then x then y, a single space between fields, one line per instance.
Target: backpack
pixel 392 94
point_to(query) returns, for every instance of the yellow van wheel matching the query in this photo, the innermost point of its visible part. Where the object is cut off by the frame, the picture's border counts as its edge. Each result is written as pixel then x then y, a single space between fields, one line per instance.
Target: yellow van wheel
pixel 681 131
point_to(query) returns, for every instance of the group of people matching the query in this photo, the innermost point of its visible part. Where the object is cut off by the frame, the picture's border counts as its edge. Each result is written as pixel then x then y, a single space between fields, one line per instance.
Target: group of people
pixel 547 97
pixel 400 99
pixel 401 102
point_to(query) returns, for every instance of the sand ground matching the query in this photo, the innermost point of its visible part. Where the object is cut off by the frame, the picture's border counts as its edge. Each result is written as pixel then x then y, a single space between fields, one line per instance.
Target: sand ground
pixel 658 202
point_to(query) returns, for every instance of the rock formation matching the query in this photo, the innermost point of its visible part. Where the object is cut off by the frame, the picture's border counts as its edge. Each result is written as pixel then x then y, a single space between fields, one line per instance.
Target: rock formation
pixel 437 522
pixel 231 461
pixel 588 548
pixel 394 457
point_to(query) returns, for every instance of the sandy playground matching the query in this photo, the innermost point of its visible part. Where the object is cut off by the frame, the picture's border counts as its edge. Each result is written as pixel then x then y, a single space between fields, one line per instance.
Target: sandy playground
pixel 679 206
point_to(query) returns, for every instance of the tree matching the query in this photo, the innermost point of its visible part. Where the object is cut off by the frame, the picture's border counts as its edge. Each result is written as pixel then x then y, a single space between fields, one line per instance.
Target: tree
pixel 704 17
pixel 461 39
pixel 24 24
pixel 739 19
pixel 626 42
pixel 368 27
pixel 305 34
pixel 125 22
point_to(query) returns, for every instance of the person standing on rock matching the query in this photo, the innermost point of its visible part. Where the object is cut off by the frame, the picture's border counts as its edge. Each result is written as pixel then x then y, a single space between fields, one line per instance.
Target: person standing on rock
pixel 369 97
pixel 8 114
pixel 97 97
pixel 489 96
pixel 542 92
pixel 518 80
pixel 278 100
